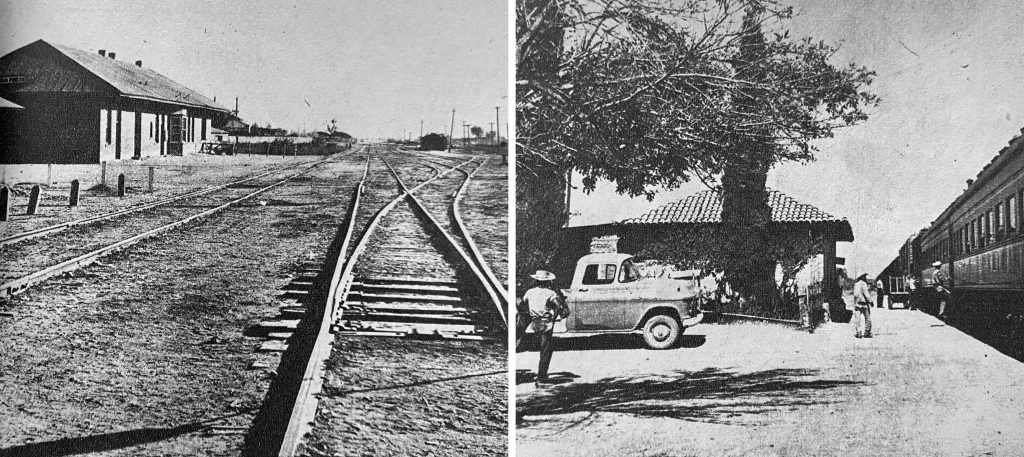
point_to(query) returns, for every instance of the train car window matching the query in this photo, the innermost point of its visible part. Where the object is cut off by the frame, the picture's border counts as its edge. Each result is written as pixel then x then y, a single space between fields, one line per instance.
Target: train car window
pixel 970 236
pixel 1011 213
pixel 989 227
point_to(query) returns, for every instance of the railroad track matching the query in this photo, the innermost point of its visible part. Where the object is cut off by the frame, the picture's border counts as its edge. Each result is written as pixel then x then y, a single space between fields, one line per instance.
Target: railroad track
pixel 56 228
pixel 406 268
pixel 41 257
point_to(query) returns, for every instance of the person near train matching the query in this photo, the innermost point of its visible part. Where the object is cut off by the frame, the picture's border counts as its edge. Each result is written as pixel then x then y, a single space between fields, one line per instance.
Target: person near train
pixel 943 288
pixel 911 285
pixel 546 305
pixel 862 307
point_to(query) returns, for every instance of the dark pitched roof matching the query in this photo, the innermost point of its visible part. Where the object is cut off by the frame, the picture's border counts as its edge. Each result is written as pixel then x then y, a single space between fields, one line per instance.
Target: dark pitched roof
pixel 706 207
pixel 125 78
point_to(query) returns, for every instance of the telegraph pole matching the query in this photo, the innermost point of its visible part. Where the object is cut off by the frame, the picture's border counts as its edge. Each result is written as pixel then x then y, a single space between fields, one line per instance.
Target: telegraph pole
pixel 497 125
pixel 495 133
pixel 452 131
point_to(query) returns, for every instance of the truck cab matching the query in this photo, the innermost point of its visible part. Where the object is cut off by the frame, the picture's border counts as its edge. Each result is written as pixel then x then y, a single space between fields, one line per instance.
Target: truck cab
pixel 608 295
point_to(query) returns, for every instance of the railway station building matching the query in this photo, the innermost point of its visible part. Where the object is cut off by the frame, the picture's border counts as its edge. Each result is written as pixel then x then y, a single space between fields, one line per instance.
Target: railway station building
pixel 689 216
pixel 85 107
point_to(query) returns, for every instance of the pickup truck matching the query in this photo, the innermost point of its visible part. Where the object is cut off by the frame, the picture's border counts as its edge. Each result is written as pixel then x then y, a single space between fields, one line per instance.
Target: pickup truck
pixel 608 295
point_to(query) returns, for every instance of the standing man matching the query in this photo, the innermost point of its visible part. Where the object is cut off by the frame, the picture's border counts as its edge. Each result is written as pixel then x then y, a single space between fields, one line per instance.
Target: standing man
pixel 546 305
pixel 862 307
pixel 911 285
pixel 879 292
pixel 943 288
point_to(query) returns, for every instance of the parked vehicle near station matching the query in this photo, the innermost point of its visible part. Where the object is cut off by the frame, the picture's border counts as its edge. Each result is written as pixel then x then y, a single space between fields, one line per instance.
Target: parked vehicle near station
pixel 609 295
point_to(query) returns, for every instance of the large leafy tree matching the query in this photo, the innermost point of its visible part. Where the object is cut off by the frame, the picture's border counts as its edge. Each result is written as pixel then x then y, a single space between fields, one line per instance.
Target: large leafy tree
pixel 649 94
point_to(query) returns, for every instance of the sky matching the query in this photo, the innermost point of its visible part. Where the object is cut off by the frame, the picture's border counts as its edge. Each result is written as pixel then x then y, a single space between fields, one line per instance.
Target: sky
pixel 378 67
pixel 951 82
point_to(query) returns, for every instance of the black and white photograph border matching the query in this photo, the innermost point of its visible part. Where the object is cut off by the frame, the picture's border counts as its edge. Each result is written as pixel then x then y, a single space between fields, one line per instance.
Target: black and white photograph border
pixel 253 228
pixel 784 228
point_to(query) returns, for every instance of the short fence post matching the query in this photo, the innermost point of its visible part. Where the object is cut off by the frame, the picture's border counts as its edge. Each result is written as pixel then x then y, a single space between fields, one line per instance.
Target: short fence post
pixel 5 202
pixel 73 198
pixel 150 186
pixel 103 174
pixel 120 185
pixel 49 173
pixel 33 201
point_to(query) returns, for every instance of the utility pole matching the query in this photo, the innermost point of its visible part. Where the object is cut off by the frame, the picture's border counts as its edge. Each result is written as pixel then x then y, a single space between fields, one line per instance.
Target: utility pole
pixel 421 129
pixel 465 130
pixel 452 131
pixel 497 124
pixel 495 133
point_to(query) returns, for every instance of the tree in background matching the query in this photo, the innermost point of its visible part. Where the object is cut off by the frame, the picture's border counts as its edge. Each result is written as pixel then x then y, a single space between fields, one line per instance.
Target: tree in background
pixel 649 94
pixel 476 131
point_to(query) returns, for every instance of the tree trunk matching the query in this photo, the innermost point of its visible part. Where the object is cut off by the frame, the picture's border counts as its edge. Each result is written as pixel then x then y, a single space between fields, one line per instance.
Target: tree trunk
pixel 745 210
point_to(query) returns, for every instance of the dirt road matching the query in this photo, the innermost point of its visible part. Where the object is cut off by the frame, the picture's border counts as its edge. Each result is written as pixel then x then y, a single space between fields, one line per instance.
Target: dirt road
pixel 917 388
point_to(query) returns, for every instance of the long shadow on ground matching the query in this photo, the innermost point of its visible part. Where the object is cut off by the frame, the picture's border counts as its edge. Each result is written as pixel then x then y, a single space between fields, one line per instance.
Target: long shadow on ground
pixel 110 441
pixel 711 395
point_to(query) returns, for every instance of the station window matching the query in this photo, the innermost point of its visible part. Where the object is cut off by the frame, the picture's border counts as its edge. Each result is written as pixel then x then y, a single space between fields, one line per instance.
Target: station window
pixel 109 122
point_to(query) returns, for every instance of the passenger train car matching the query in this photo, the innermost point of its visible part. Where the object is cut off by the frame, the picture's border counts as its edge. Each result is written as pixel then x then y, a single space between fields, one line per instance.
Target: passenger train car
pixel 979 239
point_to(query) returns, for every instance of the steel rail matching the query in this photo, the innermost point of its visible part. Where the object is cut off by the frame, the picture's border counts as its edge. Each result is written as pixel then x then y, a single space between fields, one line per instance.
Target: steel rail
pixel 20 284
pixel 364 238
pixel 306 400
pixel 102 217
pixel 477 256
pixel 455 244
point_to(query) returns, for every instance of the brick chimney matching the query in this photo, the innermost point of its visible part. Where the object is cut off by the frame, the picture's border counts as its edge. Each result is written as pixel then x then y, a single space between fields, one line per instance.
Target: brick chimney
pixel 138 63
pixel 103 52
pixel 112 55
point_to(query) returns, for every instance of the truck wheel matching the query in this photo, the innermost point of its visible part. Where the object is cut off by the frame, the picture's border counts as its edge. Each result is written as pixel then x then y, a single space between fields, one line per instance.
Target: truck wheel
pixel 661 332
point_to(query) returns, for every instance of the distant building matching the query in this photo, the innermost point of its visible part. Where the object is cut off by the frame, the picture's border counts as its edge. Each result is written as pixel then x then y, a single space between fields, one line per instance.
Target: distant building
pixel 234 126
pixel 704 209
pixel 83 107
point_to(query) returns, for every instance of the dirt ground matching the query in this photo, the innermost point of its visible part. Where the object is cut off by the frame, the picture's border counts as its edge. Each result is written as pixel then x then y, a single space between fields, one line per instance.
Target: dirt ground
pixel 918 387
pixel 147 353
pixel 391 396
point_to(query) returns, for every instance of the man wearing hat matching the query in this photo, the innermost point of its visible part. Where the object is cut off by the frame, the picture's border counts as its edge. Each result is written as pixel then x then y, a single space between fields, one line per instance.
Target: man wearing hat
pixel 862 307
pixel 940 280
pixel 546 305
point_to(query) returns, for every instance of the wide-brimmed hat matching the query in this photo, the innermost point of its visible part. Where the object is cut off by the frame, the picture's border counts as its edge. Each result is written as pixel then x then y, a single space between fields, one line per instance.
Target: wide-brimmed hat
pixel 542 275
pixel 862 276
pixel 937 263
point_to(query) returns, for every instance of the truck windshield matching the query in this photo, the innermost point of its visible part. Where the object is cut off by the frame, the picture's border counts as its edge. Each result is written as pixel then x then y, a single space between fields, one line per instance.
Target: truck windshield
pixel 628 272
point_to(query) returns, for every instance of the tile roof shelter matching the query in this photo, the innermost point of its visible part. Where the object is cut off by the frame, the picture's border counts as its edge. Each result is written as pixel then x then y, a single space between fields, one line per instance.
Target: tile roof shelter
pixel 705 208
pixel 83 107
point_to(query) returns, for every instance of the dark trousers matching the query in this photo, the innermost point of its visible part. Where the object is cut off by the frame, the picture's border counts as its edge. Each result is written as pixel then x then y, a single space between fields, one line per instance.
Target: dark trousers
pixel 547 348
pixel 879 299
